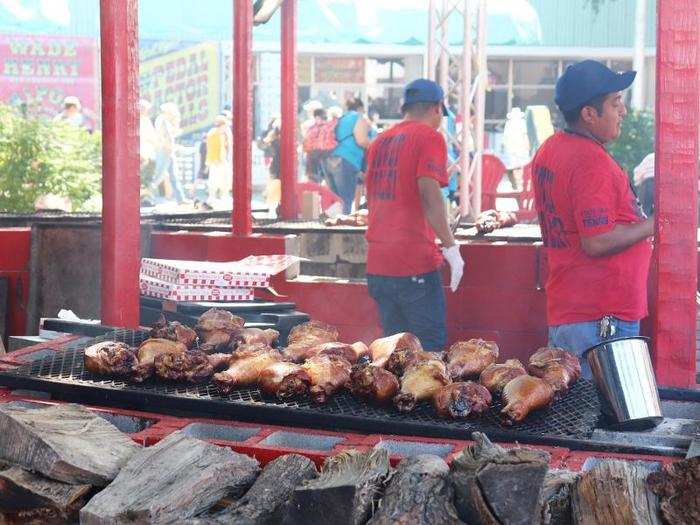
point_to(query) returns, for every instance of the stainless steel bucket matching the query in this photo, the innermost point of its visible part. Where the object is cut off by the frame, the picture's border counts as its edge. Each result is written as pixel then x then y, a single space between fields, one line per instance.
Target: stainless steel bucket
pixel 625 378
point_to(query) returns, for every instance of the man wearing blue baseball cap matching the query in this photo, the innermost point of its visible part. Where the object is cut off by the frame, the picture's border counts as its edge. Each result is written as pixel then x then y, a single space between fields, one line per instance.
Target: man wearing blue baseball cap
pixel 407 166
pixel 595 234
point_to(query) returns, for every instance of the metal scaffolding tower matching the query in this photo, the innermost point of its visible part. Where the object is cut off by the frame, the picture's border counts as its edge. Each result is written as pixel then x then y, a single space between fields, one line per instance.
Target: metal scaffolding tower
pixel 462 73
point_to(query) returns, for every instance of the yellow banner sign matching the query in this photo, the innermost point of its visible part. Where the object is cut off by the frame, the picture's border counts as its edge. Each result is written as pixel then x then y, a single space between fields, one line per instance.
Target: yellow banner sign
pixel 189 78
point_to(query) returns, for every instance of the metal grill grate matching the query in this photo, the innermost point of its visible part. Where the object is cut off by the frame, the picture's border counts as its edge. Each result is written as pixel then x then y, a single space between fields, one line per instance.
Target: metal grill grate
pixel 573 417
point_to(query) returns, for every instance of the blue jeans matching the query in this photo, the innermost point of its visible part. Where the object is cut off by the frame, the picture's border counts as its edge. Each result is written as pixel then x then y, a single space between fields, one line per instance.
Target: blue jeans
pixel 412 304
pixel 579 337
pixel 165 167
pixel 342 179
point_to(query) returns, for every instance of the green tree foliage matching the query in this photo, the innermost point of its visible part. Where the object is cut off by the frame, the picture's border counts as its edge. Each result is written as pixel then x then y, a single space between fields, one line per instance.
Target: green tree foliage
pixel 39 157
pixel 636 140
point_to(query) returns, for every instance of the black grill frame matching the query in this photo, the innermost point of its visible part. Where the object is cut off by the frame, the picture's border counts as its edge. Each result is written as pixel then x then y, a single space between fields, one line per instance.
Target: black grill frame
pixel 569 421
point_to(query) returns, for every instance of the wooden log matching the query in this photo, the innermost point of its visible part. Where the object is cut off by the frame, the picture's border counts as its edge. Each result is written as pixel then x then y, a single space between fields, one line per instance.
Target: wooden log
pixel 678 487
pixel 25 496
pixel 265 503
pixel 172 481
pixel 614 492
pixel 420 493
pixel 64 442
pixel 495 486
pixel 345 491
pixel 555 498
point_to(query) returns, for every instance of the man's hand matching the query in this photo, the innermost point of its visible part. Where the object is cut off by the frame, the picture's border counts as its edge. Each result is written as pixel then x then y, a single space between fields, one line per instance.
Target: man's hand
pixel 454 259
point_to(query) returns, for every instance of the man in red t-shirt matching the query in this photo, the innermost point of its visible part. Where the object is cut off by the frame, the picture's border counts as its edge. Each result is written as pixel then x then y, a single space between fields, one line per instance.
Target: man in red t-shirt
pixel 407 166
pixel 595 233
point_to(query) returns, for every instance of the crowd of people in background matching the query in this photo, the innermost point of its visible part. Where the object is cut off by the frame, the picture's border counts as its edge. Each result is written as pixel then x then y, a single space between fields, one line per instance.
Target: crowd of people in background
pixel 332 148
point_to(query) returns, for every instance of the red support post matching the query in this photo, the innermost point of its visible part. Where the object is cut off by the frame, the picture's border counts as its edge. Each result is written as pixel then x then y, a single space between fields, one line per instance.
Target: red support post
pixel 242 117
pixel 288 144
pixel 120 162
pixel 677 111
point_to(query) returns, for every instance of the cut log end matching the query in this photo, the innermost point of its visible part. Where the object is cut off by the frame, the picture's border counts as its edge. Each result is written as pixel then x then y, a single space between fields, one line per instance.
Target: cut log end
pixel 420 493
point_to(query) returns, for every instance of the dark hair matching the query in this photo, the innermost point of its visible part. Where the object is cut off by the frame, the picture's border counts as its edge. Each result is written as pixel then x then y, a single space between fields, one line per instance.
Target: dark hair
pixel 418 108
pixel 354 104
pixel 572 117
pixel 320 112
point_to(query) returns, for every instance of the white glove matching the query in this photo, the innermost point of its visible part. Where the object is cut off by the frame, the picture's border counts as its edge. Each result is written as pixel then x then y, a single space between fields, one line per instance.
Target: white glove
pixel 454 259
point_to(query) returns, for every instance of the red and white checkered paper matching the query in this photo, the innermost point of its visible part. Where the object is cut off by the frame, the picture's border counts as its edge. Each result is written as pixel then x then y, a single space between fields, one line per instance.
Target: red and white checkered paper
pixel 163 290
pixel 254 271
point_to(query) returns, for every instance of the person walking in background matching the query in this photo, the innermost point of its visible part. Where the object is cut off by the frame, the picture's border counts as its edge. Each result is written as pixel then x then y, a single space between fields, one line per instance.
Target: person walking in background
pixel 345 163
pixel 269 144
pixel 219 143
pixel 72 114
pixel 167 129
pixel 310 108
pixel 319 141
pixel 148 142
pixel 360 188
pixel 148 139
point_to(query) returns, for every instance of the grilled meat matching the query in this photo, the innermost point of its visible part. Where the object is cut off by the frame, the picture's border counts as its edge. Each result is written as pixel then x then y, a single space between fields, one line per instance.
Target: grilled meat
pixel 467 359
pixel 491 220
pixel 298 353
pixel 523 395
pixel 215 328
pixel 372 383
pixel 461 400
pixel 219 361
pixel 313 331
pixel 419 382
pixel 328 373
pixel 173 330
pixel 303 339
pixel 402 358
pixel 359 218
pixel 351 352
pixel 284 380
pixel 147 353
pixel 248 336
pixel 193 366
pixel 495 377
pixel 245 367
pixel 109 358
pixel 382 348
pixel 558 367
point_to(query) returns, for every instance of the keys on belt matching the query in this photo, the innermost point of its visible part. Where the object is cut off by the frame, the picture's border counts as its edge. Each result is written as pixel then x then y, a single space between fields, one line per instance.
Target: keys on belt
pixel 606 327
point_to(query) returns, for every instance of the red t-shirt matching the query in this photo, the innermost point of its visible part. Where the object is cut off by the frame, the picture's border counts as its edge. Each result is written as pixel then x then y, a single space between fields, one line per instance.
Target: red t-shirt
pixel 580 191
pixel 400 240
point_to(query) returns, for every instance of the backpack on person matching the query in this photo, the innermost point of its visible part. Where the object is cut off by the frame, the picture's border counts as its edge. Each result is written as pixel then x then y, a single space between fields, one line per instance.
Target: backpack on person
pixel 321 137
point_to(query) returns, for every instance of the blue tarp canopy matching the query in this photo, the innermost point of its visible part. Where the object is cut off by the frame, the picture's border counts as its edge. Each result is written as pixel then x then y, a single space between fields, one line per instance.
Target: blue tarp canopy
pixel 510 22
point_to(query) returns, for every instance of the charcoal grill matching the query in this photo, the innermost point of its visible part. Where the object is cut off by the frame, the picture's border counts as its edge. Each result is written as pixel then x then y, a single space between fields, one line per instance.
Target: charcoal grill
pixel 568 421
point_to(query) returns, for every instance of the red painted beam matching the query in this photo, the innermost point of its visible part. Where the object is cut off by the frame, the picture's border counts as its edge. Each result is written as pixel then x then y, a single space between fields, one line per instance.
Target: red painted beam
pixel 242 117
pixel 120 162
pixel 288 145
pixel 677 111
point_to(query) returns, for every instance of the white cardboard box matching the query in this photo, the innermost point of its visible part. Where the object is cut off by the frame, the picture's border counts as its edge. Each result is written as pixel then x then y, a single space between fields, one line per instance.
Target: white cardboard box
pixel 152 287
pixel 254 271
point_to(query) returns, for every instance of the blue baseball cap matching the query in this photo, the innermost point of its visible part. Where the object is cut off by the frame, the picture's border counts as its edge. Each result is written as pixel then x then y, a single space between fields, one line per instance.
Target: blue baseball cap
pixel 424 90
pixel 587 79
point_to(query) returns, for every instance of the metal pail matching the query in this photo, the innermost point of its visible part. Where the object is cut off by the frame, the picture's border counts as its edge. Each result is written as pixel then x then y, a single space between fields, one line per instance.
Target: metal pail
pixel 625 378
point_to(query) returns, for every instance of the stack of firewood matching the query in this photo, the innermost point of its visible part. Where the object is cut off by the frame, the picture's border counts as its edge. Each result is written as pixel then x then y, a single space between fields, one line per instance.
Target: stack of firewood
pixel 63 463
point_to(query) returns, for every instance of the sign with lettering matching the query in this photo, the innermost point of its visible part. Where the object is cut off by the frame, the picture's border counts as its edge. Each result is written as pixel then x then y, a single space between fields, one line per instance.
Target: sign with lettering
pixel 189 77
pixel 42 70
pixel 343 70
